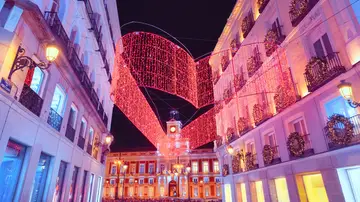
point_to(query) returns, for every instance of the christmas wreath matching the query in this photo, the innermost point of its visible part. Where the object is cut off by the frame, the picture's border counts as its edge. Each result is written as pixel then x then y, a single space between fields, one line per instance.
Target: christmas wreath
pixel 296 144
pixel 333 132
pixel 249 161
pixel 321 68
pixel 258 113
pixel 270 42
pixel 268 154
pixel 243 125
pixel 298 8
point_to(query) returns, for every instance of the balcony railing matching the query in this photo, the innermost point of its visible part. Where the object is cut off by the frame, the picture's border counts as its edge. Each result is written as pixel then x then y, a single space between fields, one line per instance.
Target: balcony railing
pixel 31 100
pixel 70 133
pixel 262 5
pixel 57 28
pixel 89 149
pixel 355 120
pixel 251 165
pixel 276 157
pixel 297 18
pixel 54 119
pixel 81 142
pixel 320 71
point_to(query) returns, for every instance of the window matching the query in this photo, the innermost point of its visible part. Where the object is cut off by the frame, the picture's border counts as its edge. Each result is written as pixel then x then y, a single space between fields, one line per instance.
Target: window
pixel 259 191
pixel 195 180
pixel 121 181
pixel 269 139
pixel 83 186
pixel 91 136
pixel 132 168
pixel 217 180
pixel 323 47
pixel 113 170
pixel 99 189
pixel 206 179
pixel 10 170
pixel 299 126
pixel 250 147
pixel 151 168
pixel 162 167
pixel 339 105
pixel 58 100
pixel 72 190
pixel 353 176
pixel 162 191
pixel 207 191
pixel 243 192
pixel 314 188
pixel 151 181
pixel 37 80
pixel 60 181
pixel 141 190
pixel 216 167
pixel 195 168
pixel 195 191
pixel 72 116
pixel 141 181
pixel 112 181
pixel 142 168
pixel 37 193
pixel 131 191
pixel 82 127
pixel 218 191
pixel 91 187
pixel 205 167
pixel 151 192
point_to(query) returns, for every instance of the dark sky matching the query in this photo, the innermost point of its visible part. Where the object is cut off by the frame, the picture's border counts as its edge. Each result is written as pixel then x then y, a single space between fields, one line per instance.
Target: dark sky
pixel 197 24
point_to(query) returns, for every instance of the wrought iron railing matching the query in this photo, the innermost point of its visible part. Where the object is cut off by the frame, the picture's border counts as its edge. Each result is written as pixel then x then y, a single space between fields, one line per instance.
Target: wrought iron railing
pixel 57 28
pixel 89 149
pixel 70 133
pixel 31 100
pixel 296 19
pixel 340 129
pixel 320 74
pixel 81 142
pixel 54 119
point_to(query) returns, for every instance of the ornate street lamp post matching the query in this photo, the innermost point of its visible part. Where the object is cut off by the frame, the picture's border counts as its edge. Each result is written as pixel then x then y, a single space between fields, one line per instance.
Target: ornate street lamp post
pixel 188 169
pixel 123 184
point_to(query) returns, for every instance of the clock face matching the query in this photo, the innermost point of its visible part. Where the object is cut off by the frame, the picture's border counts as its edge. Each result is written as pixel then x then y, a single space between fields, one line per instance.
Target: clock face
pixel 172 129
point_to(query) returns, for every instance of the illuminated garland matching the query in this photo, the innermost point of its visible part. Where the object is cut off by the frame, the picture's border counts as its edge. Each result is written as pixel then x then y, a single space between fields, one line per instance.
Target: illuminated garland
pixel 239 81
pixel 320 66
pixel 227 94
pixel 270 42
pixel 268 154
pixel 216 77
pixel 259 113
pixel 224 62
pixel 333 132
pixel 249 161
pixel 234 45
pixel 297 8
pixel 246 25
pixel 225 170
pixel 283 97
pixel 243 125
pixel 262 4
pixel 251 65
pixel 219 141
pixel 230 135
pixel 296 144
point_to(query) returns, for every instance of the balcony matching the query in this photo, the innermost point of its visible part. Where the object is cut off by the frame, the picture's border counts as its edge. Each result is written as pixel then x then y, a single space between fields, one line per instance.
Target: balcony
pixel 31 100
pixel 54 120
pixel 239 82
pixel 254 62
pixel 273 39
pixel 89 149
pixel 247 24
pixel 319 71
pixel 70 133
pixel 81 142
pixel 276 156
pixel 251 162
pixel 308 150
pixel 340 130
pixel 262 5
pixel 298 12
pixel 58 30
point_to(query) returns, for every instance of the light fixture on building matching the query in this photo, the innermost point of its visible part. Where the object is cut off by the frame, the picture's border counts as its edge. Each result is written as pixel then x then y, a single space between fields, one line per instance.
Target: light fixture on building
pixel 230 149
pixel 172 129
pixel 109 139
pixel 21 61
pixel 125 167
pixel 345 90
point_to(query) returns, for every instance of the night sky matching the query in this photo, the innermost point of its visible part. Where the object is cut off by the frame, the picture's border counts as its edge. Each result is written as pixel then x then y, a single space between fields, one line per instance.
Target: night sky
pixel 197 24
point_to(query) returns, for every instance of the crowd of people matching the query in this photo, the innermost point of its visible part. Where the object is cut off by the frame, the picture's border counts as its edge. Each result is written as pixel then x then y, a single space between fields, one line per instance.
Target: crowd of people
pixel 159 200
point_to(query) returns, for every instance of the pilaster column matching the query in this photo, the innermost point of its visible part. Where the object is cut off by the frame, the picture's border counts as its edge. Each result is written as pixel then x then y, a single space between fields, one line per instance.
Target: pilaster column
pixel 332 185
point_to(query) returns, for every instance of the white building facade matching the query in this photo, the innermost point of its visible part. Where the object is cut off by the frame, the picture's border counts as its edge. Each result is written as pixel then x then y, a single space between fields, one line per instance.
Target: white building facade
pixel 54 120
pixel 258 162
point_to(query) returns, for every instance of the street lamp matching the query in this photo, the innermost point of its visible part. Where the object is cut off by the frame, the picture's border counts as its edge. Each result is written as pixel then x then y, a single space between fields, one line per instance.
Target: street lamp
pixel 230 149
pixel 345 90
pixel 123 185
pixel 21 61
pixel 109 139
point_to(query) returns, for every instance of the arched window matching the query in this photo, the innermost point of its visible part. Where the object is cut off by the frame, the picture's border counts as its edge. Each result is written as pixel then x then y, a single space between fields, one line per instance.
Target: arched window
pixel 58 101
pixel 37 80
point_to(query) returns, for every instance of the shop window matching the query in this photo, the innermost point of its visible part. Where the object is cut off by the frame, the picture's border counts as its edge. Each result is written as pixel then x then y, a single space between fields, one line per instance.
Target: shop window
pixel 58 100
pixel 218 190
pixel 42 169
pixel 91 187
pixel 10 170
pixel 207 191
pixel 162 191
pixel 151 192
pixel 228 196
pixel 196 191
pixel 72 190
pixel 259 191
pixel 312 187
pixel 60 182
pixel 243 192
pixel 282 192
pixel 350 184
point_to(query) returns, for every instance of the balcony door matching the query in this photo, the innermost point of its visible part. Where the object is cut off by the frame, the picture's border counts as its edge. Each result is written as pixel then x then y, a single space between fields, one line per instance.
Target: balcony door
pixel 35 78
pixel 323 47
pixel 339 105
